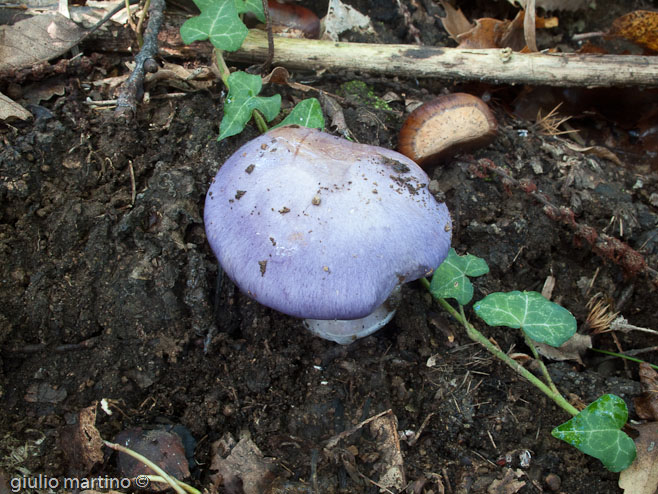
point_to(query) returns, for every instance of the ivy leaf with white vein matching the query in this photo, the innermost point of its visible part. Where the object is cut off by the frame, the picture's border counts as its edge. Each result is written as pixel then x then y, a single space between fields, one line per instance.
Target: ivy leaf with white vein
pixel 542 320
pixel 450 279
pixel 242 100
pixel 219 21
pixel 596 431
pixel 307 113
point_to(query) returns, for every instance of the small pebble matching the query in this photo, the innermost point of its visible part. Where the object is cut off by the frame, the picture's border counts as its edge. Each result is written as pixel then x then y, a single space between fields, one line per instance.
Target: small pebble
pixel 553 482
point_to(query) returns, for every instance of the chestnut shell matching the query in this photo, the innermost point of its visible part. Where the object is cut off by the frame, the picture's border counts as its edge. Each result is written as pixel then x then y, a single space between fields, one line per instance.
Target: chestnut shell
pixel 445 126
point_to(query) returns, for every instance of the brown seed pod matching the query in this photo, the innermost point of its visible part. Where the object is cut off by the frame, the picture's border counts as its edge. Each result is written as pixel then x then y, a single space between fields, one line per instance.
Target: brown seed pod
pixel 445 126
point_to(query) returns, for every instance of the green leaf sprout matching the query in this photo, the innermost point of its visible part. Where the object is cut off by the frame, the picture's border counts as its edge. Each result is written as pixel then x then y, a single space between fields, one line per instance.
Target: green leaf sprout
pixel 307 113
pixel 596 431
pixel 242 100
pixel 542 320
pixel 450 279
pixel 220 22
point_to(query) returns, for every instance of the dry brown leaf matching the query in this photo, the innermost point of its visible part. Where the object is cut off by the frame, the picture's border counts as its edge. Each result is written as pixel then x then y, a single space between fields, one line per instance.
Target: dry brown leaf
pixel 572 349
pixel 455 22
pixel 642 476
pixel 385 431
pixel 529 25
pixel 81 443
pixel 600 151
pixel 494 33
pixel 10 109
pixel 240 467
pixel 36 39
pixel 508 484
pixel 639 27
pixel 646 405
pixel 549 5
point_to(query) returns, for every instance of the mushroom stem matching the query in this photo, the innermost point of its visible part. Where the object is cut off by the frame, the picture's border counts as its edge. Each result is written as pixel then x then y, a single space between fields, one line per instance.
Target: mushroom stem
pixel 345 332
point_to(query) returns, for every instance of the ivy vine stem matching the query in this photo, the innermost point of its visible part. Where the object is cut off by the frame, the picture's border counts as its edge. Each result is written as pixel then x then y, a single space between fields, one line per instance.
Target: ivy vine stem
pixel 478 337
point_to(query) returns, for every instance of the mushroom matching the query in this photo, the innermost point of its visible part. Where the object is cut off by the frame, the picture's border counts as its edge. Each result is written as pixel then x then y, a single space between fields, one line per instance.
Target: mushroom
pixel 324 229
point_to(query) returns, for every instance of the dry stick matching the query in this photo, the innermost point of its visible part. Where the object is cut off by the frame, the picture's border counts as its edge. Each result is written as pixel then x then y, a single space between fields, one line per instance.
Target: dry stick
pixel 497 66
pixel 265 67
pixel 133 89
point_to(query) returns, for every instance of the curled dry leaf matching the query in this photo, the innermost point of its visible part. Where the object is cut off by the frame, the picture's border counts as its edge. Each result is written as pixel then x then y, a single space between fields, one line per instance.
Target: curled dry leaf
pixel 550 5
pixel 341 17
pixel 646 405
pixel 491 33
pixel 391 463
pixel 241 468
pixel 81 443
pixel 10 109
pixel 639 27
pixel 508 484
pixel 642 476
pixel 455 22
pixel 572 349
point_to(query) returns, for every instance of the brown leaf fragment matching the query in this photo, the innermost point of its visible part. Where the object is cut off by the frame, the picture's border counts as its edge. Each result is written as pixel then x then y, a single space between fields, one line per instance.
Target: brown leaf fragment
pixel 494 33
pixel 572 349
pixel 600 151
pixel 241 468
pixel 508 484
pixel 646 405
pixel 36 39
pixel 10 109
pixel 390 463
pixel 81 443
pixel 455 22
pixel 639 27
pixel 642 476
pixel 529 25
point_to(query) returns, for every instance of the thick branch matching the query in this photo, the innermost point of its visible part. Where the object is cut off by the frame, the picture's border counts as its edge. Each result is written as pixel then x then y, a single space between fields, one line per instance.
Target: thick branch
pixel 492 65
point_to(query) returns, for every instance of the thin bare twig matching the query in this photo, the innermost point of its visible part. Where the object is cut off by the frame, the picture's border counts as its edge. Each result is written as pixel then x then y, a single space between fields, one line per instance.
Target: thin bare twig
pixel 133 88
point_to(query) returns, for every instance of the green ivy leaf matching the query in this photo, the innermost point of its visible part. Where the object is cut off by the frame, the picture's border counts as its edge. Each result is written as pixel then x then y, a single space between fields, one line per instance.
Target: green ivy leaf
pixel 541 319
pixel 253 6
pixel 242 99
pixel 450 279
pixel 219 22
pixel 596 431
pixel 307 113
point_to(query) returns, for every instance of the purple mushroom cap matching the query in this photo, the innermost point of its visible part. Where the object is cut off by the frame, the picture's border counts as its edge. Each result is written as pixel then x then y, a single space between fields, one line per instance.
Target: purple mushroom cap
pixel 319 227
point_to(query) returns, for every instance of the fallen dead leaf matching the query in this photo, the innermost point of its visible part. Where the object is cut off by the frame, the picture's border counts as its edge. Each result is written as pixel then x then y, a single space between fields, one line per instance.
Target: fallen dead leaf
pixel 341 17
pixel 600 151
pixel 508 484
pixel 10 109
pixel 390 463
pixel 642 476
pixel 572 349
pixel 494 33
pixel 639 27
pixel 35 40
pixel 646 405
pixel 550 5
pixel 241 467
pixel 81 443
pixel 455 22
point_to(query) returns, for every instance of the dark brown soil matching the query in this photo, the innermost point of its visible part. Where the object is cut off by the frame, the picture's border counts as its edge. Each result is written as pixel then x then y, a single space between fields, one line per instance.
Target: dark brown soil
pixel 109 296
